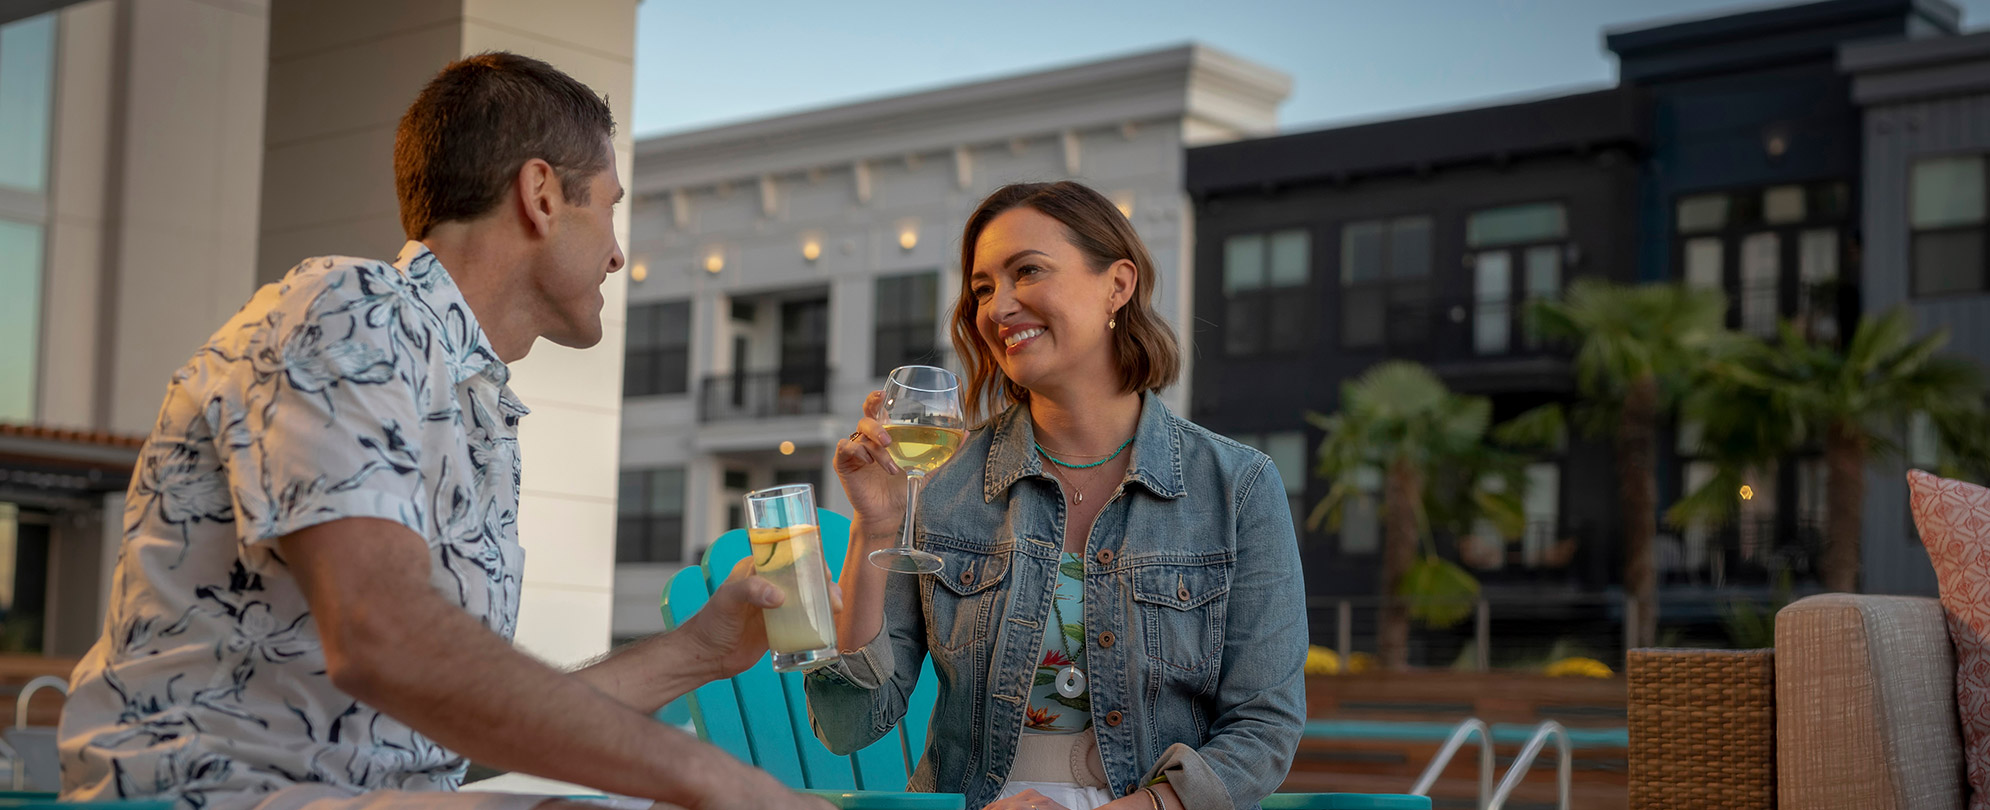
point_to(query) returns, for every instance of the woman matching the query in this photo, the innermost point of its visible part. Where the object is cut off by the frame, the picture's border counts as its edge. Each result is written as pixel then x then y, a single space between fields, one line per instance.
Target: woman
pixel 1121 620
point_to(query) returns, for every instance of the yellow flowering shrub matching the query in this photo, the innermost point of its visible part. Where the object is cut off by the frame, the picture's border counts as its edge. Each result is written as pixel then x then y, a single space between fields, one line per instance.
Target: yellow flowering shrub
pixel 1578 668
pixel 1322 661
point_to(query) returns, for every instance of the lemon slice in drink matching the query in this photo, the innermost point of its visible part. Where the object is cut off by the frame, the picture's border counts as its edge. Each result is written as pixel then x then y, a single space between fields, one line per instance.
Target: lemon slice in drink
pixel 771 548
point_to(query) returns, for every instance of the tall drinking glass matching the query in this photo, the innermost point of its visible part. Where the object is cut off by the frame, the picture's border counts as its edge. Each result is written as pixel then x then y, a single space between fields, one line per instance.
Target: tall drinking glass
pixel 923 417
pixel 787 551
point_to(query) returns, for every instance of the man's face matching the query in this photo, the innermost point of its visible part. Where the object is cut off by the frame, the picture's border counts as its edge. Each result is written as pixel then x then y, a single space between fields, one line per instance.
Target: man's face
pixel 581 253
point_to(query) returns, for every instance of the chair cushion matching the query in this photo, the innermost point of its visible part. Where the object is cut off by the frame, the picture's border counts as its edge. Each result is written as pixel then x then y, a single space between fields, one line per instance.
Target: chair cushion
pixel 1954 519
pixel 1865 705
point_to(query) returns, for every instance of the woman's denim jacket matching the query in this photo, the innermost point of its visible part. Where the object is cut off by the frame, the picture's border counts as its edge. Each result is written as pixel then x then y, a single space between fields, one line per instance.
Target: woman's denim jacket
pixel 1194 615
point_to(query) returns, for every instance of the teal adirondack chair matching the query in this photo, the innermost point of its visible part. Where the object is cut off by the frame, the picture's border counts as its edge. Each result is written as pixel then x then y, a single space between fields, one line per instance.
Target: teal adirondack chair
pixel 761 716
pixel 770 728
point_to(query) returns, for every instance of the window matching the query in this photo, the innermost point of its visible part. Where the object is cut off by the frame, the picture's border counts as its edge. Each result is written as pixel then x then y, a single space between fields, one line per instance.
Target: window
pixel 649 525
pixel 1361 515
pixel 1261 276
pixel 27 69
pixel 1385 282
pixel 1776 252
pixel 20 318
pixel 1517 247
pixel 907 318
pixel 1947 212
pixel 27 87
pixel 658 354
pixel 1761 278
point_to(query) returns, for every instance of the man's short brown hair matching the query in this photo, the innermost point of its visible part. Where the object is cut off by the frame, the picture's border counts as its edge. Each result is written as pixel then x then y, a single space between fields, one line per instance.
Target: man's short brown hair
pixel 461 143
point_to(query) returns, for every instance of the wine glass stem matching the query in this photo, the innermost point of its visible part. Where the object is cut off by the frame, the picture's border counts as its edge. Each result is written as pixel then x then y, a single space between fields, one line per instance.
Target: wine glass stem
pixel 911 508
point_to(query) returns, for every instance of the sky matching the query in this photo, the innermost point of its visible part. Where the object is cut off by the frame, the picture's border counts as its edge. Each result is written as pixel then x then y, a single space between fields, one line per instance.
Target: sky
pixel 701 63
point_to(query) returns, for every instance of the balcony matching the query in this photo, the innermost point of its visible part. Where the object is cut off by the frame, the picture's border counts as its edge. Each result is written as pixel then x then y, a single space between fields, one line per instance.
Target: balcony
pixel 1477 346
pixel 764 394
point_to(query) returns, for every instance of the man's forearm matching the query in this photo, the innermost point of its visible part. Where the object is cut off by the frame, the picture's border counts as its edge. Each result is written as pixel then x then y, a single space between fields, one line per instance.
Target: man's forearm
pixel 632 674
pixel 457 683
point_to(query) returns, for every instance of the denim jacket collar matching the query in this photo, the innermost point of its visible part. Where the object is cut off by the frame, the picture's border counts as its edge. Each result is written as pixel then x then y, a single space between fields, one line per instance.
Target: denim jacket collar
pixel 1156 462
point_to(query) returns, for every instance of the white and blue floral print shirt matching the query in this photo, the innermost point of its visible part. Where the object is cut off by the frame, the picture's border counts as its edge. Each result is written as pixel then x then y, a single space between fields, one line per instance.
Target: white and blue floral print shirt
pixel 351 388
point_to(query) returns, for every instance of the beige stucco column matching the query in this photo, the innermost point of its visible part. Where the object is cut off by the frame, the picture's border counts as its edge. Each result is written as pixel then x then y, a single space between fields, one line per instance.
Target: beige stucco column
pixel 341 72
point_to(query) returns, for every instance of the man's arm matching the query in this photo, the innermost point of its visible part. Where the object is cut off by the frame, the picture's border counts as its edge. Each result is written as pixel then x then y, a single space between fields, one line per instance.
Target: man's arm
pixel 721 640
pixel 394 643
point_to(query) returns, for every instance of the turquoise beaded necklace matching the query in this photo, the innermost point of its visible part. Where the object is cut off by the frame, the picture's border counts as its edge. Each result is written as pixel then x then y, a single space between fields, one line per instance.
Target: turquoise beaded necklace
pixel 1069 466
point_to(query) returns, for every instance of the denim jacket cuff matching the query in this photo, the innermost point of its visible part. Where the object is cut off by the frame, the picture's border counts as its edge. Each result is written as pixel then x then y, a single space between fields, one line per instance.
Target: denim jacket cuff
pixel 1195 784
pixel 867 667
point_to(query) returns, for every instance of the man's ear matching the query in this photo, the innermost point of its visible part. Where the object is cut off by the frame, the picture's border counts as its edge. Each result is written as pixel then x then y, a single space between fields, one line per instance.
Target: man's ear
pixel 539 191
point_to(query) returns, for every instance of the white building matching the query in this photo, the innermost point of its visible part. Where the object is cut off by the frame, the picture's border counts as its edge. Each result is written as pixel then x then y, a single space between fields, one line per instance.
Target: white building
pixel 161 158
pixel 780 267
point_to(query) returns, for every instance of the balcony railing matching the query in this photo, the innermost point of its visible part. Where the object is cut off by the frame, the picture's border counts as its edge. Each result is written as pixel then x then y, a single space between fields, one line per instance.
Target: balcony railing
pixel 1454 328
pixel 764 394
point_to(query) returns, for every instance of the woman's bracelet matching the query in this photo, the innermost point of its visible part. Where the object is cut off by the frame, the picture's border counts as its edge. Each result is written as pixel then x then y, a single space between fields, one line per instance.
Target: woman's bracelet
pixel 1154 798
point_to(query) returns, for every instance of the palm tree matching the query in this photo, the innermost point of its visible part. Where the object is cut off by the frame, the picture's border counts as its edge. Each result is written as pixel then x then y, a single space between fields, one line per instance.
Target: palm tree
pixel 1398 421
pixel 1637 349
pixel 1777 399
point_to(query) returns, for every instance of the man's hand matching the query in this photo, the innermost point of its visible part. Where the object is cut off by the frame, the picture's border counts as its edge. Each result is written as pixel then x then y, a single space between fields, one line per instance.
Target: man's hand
pixel 729 633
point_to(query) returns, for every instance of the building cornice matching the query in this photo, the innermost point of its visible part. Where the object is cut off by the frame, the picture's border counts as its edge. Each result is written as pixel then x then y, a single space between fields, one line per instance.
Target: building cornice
pixel 1170 84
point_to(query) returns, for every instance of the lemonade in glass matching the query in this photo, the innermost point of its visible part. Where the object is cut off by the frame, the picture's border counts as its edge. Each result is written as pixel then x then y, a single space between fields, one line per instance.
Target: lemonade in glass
pixel 787 551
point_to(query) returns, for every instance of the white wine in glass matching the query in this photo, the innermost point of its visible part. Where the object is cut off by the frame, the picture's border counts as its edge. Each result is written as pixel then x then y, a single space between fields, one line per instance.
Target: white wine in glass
pixel 922 415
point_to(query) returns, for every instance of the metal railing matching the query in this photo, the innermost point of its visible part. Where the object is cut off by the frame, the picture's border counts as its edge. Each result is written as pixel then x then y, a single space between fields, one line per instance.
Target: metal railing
pixel 1466 729
pixel 1564 771
pixel 1514 630
pixel 764 394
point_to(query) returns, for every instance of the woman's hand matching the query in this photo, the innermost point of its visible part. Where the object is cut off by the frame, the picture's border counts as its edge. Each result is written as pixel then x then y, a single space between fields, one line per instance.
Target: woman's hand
pixel 873 483
pixel 1026 800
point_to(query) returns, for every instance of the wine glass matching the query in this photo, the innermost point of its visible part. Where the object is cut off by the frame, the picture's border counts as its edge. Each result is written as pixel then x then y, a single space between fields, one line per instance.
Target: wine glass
pixel 922 415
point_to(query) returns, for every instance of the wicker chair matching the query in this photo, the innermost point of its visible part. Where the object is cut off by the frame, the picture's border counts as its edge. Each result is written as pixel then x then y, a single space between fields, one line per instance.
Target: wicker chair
pixel 1854 708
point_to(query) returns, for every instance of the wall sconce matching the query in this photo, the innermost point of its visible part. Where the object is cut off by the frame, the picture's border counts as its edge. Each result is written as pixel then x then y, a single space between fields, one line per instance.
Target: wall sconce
pixel 715 260
pixel 639 271
pixel 1124 201
pixel 811 247
pixel 1776 142
pixel 908 236
pixel 787 448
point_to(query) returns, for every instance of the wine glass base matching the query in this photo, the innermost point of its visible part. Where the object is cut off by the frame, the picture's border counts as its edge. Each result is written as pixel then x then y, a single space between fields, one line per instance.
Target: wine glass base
pixel 805 660
pixel 907 561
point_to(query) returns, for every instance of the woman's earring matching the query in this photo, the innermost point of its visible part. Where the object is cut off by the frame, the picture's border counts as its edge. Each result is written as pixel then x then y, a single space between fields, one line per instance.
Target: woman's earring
pixel 1112 323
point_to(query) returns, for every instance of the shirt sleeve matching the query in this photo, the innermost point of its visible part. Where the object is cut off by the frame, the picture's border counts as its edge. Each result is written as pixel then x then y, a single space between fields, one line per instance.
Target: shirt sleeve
pixel 318 420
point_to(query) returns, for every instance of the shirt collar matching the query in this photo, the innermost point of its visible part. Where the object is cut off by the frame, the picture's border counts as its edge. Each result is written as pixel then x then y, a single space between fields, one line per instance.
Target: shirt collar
pixel 1156 462
pixel 468 349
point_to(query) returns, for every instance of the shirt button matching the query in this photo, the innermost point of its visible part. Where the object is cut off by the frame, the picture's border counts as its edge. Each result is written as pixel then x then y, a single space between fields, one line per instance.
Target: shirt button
pixel 1105 640
pixel 1105 556
pixel 1113 717
pixel 967 577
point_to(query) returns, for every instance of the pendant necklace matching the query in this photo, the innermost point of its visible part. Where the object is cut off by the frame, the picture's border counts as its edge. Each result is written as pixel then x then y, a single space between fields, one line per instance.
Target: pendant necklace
pixel 1069 466
pixel 1070 680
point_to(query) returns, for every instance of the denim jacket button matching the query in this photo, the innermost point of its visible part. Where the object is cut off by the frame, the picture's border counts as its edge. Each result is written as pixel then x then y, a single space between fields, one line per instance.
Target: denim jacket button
pixel 967 577
pixel 1112 717
pixel 1182 594
pixel 1105 556
pixel 1105 640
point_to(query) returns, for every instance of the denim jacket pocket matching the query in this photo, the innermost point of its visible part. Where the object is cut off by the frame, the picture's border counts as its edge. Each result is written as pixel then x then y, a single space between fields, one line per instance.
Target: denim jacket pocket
pixel 1182 610
pixel 962 595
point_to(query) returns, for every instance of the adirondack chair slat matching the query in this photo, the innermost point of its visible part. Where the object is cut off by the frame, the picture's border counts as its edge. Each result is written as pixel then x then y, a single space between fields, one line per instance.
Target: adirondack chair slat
pixel 771 724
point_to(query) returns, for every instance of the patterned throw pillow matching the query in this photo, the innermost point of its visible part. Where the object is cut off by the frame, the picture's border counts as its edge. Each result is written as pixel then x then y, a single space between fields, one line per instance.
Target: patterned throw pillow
pixel 1954 518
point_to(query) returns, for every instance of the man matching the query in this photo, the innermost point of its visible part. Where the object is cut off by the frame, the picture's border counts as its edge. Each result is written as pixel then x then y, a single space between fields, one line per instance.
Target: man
pixel 320 573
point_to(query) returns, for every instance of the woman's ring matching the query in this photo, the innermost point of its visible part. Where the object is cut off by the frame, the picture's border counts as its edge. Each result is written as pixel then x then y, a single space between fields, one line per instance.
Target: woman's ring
pixel 856 436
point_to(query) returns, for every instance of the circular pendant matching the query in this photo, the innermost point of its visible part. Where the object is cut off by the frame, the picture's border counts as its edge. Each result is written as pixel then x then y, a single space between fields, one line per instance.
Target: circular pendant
pixel 1070 682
